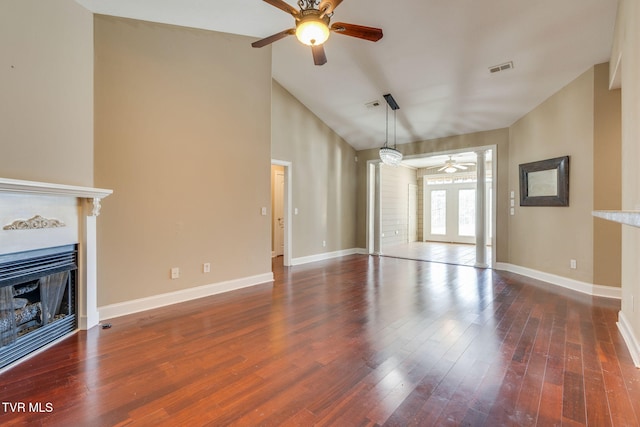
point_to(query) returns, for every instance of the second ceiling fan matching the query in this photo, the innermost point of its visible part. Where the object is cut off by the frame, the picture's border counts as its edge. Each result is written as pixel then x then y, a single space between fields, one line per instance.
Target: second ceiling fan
pixel 312 26
pixel 451 166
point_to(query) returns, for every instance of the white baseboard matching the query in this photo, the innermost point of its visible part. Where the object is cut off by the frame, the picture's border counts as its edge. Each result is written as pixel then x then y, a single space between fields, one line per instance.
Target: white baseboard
pixel 324 256
pixel 162 300
pixel 564 282
pixel 629 338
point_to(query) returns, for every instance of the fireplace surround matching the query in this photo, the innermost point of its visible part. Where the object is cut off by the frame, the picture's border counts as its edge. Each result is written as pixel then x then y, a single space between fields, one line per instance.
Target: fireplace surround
pixel 54 224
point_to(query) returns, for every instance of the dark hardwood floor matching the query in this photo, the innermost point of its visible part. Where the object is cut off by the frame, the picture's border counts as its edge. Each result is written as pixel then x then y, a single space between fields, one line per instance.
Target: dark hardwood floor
pixel 354 341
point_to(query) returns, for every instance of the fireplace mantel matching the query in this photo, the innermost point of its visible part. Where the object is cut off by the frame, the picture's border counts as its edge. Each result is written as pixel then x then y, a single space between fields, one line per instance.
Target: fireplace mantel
pixel 28 193
pixel 45 188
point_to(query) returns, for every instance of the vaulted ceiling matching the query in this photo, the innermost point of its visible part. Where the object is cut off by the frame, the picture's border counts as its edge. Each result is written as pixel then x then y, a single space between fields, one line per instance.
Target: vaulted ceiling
pixel 434 57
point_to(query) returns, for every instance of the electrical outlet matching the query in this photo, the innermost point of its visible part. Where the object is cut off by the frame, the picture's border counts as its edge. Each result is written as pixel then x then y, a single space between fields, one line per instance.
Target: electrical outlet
pixel 175 273
pixel 573 264
pixel 324 243
pixel 206 267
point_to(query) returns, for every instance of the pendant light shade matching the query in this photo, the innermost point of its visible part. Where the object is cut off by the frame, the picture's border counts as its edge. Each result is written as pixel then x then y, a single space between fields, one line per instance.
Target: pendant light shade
pixel 390 156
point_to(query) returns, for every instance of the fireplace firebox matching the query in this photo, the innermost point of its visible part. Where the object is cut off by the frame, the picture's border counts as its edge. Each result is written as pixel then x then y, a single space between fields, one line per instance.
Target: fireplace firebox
pixel 37 299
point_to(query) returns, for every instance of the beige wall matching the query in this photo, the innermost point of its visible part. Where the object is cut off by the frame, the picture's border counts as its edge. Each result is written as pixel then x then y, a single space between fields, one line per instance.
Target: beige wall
pixel 607 183
pixel 628 41
pixel 499 138
pixel 568 123
pixel 323 177
pixel 182 135
pixel 46 87
pixel 547 238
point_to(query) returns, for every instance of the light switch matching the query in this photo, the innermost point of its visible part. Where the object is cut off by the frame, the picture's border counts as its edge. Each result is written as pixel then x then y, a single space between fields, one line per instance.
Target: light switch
pixel 264 211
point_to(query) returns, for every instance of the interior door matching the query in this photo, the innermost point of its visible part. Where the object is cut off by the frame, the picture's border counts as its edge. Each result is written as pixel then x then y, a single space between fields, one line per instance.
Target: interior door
pixel 278 214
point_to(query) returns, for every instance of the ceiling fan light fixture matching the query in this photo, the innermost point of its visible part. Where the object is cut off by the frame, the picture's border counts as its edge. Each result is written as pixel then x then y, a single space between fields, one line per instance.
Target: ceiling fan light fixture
pixel 450 169
pixel 312 31
pixel 312 26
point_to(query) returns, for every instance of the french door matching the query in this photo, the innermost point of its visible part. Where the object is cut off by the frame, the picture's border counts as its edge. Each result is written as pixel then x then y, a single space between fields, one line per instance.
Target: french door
pixel 450 213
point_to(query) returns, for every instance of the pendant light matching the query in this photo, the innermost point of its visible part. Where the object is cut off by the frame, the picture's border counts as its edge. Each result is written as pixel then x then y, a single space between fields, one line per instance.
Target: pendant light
pixel 388 155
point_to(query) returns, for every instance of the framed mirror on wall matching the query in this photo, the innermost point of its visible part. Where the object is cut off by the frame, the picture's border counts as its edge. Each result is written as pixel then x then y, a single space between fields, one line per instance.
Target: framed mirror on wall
pixel 545 182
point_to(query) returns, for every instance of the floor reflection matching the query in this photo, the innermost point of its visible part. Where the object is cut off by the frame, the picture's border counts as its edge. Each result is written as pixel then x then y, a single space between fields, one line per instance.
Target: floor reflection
pixel 448 253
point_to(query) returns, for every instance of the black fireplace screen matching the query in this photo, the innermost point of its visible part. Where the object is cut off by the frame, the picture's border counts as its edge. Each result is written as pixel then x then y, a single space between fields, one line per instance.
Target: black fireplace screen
pixel 37 299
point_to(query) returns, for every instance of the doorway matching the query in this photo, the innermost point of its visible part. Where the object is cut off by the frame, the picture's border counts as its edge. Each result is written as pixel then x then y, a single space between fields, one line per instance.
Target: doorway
pixel 447 209
pixel 277 201
pixel 281 210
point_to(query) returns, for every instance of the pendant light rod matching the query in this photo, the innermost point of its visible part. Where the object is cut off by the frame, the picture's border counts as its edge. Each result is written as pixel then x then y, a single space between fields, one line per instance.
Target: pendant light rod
pixel 394 128
pixel 386 134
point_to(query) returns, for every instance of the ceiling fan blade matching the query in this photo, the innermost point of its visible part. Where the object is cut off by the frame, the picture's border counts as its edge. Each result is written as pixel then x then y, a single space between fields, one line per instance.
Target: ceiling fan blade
pixel 274 38
pixel 457 166
pixel 443 168
pixel 327 6
pixel 359 31
pixel 282 5
pixel 319 57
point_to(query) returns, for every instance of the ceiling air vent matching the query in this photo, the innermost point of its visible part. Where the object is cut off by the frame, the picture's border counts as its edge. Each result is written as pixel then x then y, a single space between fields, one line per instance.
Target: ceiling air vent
pixel 501 67
pixel 372 104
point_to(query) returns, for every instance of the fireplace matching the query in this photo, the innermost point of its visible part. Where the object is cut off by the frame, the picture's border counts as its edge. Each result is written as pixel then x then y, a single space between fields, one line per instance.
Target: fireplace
pixel 37 299
pixel 48 264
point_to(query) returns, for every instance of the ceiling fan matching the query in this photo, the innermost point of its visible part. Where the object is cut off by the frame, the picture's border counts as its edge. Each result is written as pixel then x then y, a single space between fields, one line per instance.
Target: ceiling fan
pixel 312 26
pixel 451 166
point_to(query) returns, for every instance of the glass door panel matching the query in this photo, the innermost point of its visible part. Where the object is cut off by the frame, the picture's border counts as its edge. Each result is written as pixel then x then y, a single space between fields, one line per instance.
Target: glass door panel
pixel 439 212
pixel 467 212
